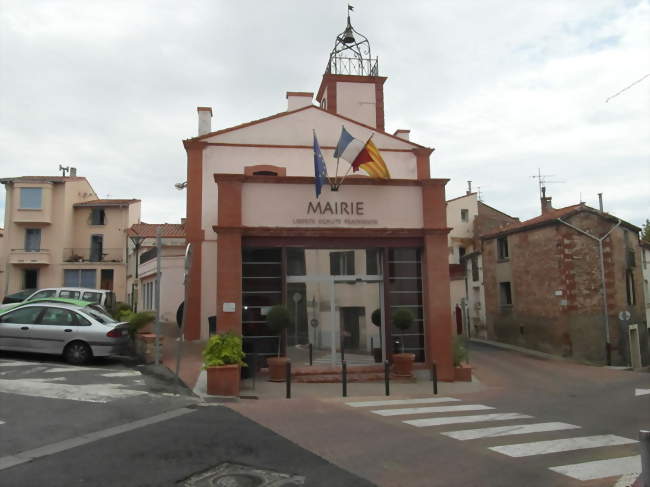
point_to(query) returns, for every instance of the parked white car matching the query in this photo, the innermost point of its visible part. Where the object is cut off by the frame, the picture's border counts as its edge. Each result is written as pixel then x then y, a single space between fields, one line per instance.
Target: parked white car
pixel 79 333
pixel 103 297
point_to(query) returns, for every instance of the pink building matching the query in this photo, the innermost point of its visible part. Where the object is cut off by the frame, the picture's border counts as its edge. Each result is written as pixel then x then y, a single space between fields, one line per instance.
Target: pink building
pixel 261 237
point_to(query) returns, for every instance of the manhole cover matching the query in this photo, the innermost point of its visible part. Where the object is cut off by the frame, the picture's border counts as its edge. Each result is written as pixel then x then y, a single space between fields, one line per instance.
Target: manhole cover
pixel 233 475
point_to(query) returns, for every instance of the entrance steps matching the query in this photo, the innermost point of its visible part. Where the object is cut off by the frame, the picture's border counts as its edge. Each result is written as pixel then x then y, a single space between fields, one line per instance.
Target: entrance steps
pixel 362 373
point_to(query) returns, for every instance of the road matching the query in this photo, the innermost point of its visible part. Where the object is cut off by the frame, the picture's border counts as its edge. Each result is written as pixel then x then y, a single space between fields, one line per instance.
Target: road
pixel 114 424
pixel 558 414
pixel 108 424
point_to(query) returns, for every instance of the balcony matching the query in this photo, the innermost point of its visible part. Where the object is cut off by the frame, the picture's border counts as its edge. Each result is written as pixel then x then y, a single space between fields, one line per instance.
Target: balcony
pixel 110 256
pixel 31 257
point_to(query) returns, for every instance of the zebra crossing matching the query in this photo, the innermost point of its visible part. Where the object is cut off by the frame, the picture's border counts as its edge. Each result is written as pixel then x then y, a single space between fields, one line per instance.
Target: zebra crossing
pixel 439 417
pixel 56 381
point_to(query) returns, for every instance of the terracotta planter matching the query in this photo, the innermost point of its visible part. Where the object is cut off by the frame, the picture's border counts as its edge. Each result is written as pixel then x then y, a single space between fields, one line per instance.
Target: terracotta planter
pixel 403 364
pixel 223 380
pixel 463 373
pixel 277 368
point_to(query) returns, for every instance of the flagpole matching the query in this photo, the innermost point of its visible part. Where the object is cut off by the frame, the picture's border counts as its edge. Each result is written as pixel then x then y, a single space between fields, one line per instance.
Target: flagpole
pixel 348 171
pixel 329 180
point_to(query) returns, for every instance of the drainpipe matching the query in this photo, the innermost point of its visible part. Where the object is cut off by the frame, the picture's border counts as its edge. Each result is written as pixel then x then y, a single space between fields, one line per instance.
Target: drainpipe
pixel 608 350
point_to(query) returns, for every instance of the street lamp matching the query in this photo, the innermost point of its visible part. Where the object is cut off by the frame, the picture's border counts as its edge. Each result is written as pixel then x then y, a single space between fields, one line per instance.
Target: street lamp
pixel 136 240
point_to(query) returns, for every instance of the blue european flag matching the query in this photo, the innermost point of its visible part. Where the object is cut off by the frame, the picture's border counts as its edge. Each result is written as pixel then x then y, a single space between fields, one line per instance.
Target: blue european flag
pixel 320 169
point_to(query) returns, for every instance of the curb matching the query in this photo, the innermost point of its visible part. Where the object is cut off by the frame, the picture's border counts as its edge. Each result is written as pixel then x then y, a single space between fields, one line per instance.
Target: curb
pixel 528 351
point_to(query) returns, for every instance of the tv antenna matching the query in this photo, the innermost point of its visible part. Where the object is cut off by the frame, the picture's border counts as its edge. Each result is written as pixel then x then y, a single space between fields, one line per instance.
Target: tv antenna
pixel 64 169
pixel 543 180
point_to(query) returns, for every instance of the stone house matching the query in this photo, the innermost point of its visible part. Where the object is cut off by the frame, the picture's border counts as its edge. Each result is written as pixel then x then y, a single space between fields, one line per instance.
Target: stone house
pixel 468 217
pixel 545 286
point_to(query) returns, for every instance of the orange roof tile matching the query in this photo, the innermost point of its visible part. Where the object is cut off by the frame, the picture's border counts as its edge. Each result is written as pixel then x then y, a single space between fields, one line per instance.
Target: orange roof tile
pixel 148 230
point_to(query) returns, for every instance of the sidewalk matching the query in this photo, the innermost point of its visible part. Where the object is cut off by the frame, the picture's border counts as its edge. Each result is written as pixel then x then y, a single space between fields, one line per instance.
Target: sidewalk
pixel 191 359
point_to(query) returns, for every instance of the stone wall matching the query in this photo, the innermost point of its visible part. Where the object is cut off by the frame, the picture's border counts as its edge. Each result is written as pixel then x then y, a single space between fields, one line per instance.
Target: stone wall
pixel 556 290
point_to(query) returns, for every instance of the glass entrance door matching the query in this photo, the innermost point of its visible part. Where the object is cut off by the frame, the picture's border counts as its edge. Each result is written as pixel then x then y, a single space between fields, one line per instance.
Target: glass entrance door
pixel 333 296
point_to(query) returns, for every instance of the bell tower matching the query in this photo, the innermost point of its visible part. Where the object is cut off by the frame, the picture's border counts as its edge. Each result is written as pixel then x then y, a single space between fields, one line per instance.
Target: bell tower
pixel 351 84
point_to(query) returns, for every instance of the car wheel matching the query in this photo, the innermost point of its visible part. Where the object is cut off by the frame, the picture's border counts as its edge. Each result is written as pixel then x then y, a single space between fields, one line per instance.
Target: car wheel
pixel 77 353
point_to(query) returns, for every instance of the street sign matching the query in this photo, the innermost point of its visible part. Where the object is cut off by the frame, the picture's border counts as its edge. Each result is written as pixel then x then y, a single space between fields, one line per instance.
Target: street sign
pixel 624 315
pixel 314 323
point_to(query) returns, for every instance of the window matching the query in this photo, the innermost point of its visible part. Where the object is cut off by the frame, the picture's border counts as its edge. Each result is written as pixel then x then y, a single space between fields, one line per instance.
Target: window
pixel 91 297
pixel 629 288
pixel 58 316
pixel 31 198
pixel 295 261
pixel 69 294
pixel 48 293
pixel 96 248
pixel 97 216
pixel 372 262
pixel 505 292
pixel 23 316
pixel 342 263
pixel 33 239
pixel 80 278
pixel 475 268
pixel 502 248
pixel 464 215
pixel 461 254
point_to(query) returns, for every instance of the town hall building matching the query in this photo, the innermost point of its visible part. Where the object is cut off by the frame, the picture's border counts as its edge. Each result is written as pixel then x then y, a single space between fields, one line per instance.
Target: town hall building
pixel 260 236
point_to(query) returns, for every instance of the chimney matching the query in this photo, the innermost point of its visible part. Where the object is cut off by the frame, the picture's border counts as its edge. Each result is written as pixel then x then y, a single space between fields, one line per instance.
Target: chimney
pixel 205 120
pixel 298 99
pixel 469 188
pixel 402 134
pixel 546 202
pixel 73 172
pixel 600 202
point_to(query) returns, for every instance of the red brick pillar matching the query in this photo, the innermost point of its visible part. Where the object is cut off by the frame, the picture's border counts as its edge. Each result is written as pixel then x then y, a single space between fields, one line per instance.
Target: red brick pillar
pixel 435 274
pixel 229 255
pixel 194 235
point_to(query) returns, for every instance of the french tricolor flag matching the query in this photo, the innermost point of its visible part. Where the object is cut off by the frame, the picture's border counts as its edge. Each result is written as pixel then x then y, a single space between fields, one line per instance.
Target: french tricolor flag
pixel 348 147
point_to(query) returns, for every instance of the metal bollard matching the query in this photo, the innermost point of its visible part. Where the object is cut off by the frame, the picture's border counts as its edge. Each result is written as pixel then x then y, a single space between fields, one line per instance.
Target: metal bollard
pixel 644 443
pixel 344 378
pixel 311 354
pixel 434 377
pixel 288 379
pixel 254 371
pixel 386 377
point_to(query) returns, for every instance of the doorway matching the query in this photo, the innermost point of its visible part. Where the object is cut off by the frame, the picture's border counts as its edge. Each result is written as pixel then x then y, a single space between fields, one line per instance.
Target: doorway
pixel 106 279
pixel 350 329
pixel 635 347
pixel 30 279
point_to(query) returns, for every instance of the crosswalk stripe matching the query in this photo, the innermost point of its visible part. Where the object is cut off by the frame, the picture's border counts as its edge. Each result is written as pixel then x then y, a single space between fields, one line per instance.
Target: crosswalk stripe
pixel 2 422
pixel 16 364
pixel 601 468
pixel 564 444
pixel 399 402
pixel 128 373
pixel 519 429
pixel 58 370
pixel 431 409
pixel 421 423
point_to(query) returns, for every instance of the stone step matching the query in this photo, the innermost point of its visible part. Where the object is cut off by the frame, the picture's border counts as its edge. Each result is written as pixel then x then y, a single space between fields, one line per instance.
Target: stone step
pixel 329 370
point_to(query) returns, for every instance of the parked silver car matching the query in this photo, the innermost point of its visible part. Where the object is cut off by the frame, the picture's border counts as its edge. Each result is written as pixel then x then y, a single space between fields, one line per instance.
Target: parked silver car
pixel 76 332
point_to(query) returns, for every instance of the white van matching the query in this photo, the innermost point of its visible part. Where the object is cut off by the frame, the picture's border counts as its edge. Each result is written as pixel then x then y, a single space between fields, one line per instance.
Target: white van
pixel 103 297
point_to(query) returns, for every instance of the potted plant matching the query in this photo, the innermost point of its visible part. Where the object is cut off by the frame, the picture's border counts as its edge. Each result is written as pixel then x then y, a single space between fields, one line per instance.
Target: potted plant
pixel 278 318
pixel 375 318
pixel 222 358
pixel 403 362
pixel 462 371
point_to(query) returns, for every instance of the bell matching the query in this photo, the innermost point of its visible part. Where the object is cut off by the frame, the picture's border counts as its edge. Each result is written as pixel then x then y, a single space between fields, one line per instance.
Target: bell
pixel 348 37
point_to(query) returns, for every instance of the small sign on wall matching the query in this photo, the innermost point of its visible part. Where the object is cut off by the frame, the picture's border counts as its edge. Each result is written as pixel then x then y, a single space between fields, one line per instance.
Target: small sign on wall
pixel 229 307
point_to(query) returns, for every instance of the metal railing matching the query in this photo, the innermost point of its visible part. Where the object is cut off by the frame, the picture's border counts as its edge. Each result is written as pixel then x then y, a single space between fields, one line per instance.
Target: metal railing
pixel 93 255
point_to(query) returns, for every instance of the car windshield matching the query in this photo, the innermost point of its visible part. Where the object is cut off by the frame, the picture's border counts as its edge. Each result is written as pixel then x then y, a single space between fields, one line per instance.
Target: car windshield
pixel 104 319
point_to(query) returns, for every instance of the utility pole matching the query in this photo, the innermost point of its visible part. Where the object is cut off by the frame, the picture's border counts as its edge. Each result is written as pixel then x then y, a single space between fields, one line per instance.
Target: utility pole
pixel 158 276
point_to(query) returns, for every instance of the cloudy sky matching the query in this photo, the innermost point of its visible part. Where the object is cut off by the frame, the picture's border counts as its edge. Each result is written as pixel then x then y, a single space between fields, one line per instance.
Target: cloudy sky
pixel 500 88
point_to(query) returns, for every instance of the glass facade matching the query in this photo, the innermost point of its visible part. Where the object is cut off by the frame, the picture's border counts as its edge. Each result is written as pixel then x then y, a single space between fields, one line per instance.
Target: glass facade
pixel 331 295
